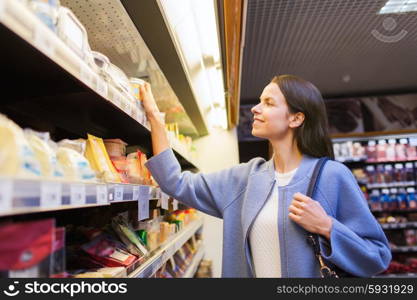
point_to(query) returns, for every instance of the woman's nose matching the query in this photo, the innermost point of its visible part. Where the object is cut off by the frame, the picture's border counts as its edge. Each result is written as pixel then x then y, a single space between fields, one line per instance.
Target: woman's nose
pixel 256 109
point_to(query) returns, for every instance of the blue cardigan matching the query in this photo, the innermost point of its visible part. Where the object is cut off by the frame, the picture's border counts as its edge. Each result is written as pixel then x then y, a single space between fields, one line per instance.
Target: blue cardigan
pixel 357 243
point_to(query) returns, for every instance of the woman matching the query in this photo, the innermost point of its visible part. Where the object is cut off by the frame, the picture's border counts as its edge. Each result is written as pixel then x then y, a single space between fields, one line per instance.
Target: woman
pixel 265 212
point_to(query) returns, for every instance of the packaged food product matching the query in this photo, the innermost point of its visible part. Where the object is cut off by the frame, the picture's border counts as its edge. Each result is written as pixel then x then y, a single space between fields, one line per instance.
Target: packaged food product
pixel 136 83
pixel 382 150
pixel 46 156
pixel 121 166
pixel 46 11
pixel 119 79
pixel 115 147
pixel 128 237
pixel 375 201
pixel 78 145
pixel 16 156
pixel 58 253
pixel 371 151
pixel 412 149
pixel 99 160
pixel 109 272
pixel 73 33
pixel 401 150
pixel 409 173
pixel 27 249
pixel 108 252
pixel 391 150
pixel 411 198
pixel 74 165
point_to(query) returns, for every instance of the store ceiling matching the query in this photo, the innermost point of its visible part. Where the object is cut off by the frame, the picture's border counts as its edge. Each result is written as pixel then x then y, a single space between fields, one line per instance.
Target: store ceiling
pixel 332 43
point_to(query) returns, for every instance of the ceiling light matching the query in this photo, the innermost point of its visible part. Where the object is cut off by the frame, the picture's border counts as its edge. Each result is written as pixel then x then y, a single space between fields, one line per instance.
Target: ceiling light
pixel 398 6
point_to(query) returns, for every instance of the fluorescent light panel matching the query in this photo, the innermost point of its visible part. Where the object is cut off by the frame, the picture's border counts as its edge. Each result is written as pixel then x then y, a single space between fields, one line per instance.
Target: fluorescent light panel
pixel 399 6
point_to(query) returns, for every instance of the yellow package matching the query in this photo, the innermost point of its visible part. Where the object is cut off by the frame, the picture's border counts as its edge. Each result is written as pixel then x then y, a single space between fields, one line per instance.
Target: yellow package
pixel 16 156
pixel 99 159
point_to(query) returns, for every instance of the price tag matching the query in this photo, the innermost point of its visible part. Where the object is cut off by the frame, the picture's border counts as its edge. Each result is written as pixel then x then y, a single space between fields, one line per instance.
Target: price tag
pixel 43 42
pixel 118 193
pixel 175 204
pixel 51 194
pixel 143 203
pixel 164 200
pixel 102 87
pixel 101 194
pixel 86 75
pixel 6 191
pixel 136 193
pixel 77 194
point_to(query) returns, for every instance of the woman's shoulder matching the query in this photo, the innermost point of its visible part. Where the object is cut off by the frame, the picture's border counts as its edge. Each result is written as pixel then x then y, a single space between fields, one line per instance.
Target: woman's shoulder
pixel 256 164
pixel 335 170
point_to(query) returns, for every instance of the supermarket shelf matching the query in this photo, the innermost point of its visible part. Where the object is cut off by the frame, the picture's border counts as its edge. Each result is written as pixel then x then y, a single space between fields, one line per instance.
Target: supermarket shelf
pixel 395 211
pixel 399 225
pixel 375 186
pixel 377 162
pixel 62 90
pixel 404 249
pixel 149 267
pixel 22 196
pixel 405 275
pixel 147 17
pixel 192 269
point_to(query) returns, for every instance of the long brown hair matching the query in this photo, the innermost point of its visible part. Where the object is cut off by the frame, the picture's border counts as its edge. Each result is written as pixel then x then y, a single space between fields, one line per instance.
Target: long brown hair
pixel 302 96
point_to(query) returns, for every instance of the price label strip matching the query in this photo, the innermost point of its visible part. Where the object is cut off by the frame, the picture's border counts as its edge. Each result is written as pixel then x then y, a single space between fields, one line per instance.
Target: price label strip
pixel 164 201
pixel 143 203
pixel 77 194
pixel 51 194
pixel 6 192
pixel 101 192
pixel 136 192
pixel 118 193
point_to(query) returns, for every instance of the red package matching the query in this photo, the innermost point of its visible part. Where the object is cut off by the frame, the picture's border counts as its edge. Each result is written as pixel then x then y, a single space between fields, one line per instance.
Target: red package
pixel 27 245
pixel 107 252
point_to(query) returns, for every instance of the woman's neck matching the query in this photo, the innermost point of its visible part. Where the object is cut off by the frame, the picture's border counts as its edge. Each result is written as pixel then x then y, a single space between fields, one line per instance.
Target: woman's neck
pixel 287 156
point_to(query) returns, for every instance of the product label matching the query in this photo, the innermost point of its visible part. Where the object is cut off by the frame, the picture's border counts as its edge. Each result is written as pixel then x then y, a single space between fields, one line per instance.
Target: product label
pixel 43 41
pixel 164 201
pixel 136 192
pixel 6 192
pixel 77 194
pixel 101 194
pixel 51 193
pixel 143 203
pixel 118 193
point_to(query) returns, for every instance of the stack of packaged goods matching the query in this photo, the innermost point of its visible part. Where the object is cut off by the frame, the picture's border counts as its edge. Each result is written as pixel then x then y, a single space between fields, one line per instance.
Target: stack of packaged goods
pixel 205 269
pixel 390 150
pixel 30 154
pixel 39 249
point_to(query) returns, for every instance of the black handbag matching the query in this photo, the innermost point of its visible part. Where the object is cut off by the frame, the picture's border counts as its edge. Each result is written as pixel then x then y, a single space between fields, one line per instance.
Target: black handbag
pixel 312 238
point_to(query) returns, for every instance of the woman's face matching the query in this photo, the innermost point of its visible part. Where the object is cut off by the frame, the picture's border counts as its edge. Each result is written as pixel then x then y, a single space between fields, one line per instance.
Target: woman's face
pixel 271 116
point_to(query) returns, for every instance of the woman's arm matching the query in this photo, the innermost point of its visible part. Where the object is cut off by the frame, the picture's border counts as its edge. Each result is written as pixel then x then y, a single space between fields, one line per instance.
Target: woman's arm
pixel 210 193
pixel 158 133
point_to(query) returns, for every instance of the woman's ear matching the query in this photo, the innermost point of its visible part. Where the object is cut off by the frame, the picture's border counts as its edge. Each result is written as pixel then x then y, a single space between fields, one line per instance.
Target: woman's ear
pixel 296 120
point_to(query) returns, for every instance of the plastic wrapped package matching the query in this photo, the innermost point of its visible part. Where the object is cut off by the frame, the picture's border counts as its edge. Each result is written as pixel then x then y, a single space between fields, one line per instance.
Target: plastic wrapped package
pixel 134 169
pixel 115 147
pixel 136 83
pixel 120 164
pixel 74 34
pixel 78 145
pixel 74 165
pixel 46 11
pixel 99 159
pixel 119 79
pixel 43 148
pixel 16 156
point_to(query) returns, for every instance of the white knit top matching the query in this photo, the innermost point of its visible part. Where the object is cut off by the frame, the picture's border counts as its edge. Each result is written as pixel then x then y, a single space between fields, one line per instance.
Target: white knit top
pixel 263 237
